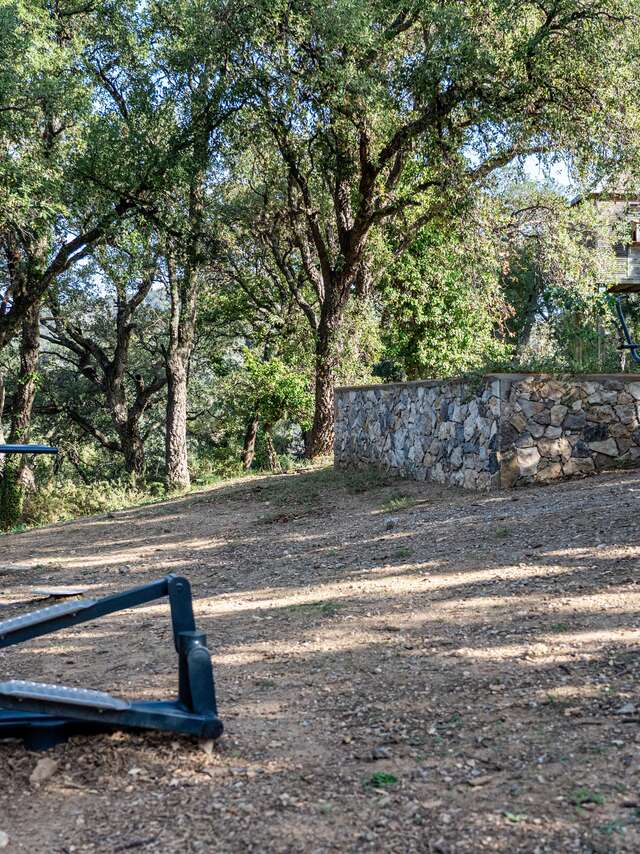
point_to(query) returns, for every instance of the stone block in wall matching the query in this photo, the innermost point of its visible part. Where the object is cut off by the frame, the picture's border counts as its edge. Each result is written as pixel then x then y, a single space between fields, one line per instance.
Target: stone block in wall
pixel 528 460
pixel 577 466
pixel 574 421
pixel 552 471
pixel 609 447
pixel 557 414
pixel 536 430
pixel 552 432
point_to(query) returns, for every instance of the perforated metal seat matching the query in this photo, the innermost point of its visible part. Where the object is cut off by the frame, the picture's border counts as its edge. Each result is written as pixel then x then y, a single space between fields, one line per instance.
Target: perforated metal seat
pixel 21 690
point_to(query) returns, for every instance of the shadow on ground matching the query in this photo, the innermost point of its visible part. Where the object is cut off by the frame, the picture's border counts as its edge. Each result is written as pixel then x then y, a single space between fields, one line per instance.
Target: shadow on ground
pixel 401 667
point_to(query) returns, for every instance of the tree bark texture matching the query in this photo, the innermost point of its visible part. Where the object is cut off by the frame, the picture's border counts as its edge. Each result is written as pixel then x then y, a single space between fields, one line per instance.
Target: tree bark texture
pixel 16 477
pixel 249 445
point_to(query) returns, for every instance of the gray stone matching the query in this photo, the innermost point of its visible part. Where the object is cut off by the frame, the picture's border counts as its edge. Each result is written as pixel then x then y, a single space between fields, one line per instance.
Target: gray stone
pixel 580 450
pixel 518 422
pixel 578 466
pixel 626 414
pixel 529 407
pixel 608 447
pixel 555 449
pixel 456 457
pixel 542 417
pixel 524 440
pixel 600 414
pixel 574 422
pixel 528 459
pixel 595 433
pixel 557 414
pixel 536 430
pixel 550 472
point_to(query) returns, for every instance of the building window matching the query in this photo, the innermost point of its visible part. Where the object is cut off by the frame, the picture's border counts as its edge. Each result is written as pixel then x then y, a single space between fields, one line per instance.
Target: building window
pixel 635 232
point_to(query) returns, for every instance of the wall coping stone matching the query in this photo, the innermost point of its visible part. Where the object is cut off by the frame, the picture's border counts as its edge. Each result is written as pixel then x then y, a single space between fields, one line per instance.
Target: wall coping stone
pixel 462 380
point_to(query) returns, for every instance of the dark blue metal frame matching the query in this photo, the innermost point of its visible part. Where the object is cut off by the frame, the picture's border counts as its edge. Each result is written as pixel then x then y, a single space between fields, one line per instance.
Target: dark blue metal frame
pixel 630 345
pixel 43 715
pixel 27 449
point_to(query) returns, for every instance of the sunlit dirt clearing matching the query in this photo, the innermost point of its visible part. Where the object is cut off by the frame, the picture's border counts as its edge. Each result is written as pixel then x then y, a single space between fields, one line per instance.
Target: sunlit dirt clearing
pixel 459 675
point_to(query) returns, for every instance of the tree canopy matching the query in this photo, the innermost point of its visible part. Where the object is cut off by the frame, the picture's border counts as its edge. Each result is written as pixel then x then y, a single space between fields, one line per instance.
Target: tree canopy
pixel 213 213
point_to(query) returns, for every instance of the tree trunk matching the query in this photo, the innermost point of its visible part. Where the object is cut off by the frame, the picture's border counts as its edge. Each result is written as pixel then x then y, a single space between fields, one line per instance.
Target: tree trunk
pixel 133 450
pixel 16 477
pixel 2 398
pixel 319 440
pixel 183 291
pixel 272 457
pixel 249 446
pixel 177 468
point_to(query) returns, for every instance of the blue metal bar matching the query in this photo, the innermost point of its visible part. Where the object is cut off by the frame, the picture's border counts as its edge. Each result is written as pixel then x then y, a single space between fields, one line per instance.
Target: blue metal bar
pixel 631 346
pixel 27 449
pixel 167 716
pixel 44 715
pixel 38 623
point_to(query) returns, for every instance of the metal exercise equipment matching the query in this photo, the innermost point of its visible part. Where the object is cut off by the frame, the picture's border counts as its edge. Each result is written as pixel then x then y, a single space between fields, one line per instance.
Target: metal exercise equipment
pixel 27 449
pixel 44 715
pixel 619 291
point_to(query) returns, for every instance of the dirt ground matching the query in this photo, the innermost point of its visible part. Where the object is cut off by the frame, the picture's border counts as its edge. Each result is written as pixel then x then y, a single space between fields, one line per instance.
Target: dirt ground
pixel 400 667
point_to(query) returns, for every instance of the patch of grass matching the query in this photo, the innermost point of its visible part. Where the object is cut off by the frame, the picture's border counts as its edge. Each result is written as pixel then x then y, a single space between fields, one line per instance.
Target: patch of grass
pixel 582 796
pixel 560 627
pixel 402 552
pixel 400 501
pixel 363 480
pixel 501 533
pixel 611 827
pixel 515 818
pixel 381 780
pixel 326 609
pixel 60 500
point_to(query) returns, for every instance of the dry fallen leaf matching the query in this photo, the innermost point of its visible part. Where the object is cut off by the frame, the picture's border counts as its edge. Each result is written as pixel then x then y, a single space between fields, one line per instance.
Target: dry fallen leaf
pixel 480 781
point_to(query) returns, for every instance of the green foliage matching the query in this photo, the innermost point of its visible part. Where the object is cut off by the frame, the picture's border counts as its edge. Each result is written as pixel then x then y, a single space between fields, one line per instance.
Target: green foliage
pixel 582 795
pixel 442 305
pixel 332 184
pixel 400 502
pixel 59 500
pixel 12 495
pixel 274 391
pixel 382 780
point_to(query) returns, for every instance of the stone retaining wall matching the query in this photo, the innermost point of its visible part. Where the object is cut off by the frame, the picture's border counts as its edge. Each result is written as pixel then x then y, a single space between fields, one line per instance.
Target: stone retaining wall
pixel 505 430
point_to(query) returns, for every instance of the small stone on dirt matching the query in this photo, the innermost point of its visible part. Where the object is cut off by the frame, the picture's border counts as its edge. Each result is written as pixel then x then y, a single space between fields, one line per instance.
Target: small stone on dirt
pixel 44 770
pixel 479 781
pixel 381 753
pixel 4 839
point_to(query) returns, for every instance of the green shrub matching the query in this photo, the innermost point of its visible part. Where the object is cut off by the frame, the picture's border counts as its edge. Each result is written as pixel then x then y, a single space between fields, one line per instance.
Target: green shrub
pixel 61 500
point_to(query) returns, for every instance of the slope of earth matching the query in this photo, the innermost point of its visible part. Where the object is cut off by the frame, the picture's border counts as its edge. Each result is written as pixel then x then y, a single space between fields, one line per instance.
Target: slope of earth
pixel 401 668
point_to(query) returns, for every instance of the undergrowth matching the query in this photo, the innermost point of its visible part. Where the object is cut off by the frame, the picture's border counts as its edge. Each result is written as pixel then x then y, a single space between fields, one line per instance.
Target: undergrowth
pixel 60 501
